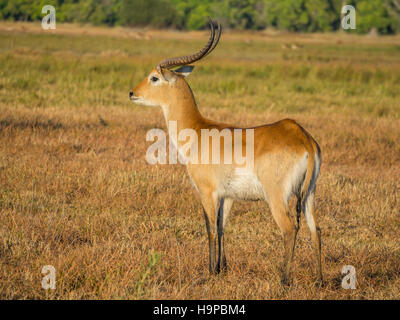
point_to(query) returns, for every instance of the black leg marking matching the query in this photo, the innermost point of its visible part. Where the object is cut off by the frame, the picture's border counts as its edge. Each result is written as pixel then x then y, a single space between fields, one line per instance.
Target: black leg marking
pixel 209 243
pixel 298 211
pixel 220 227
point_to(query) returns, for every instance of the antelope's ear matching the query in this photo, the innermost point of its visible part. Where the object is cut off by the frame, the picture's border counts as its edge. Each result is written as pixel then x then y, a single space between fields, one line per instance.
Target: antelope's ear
pixel 169 76
pixel 184 71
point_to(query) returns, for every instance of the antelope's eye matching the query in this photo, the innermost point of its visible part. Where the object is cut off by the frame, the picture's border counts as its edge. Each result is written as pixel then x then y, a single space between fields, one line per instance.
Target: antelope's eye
pixel 154 79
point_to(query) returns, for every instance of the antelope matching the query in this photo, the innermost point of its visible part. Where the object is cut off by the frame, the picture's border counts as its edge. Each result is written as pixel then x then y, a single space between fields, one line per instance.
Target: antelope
pixel 287 162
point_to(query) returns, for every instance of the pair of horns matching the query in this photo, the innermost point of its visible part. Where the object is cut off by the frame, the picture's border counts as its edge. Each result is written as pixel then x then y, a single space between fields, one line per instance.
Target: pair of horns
pixel 184 60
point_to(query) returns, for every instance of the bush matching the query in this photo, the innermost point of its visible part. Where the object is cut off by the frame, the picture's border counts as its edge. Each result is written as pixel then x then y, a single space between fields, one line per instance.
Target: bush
pixel 157 13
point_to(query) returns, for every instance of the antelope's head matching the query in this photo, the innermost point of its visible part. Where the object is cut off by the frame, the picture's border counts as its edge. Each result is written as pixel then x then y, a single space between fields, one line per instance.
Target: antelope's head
pixel 164 85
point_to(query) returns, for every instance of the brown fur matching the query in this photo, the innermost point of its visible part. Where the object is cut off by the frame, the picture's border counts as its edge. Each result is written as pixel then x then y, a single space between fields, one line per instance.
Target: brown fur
pixel 278 149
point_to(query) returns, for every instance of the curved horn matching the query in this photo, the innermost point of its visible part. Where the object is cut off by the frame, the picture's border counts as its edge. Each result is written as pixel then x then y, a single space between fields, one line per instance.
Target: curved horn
pixel 183 60
pixel 216 40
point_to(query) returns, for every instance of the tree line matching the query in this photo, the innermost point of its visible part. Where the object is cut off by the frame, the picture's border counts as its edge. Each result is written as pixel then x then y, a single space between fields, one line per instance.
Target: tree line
pixel 291 15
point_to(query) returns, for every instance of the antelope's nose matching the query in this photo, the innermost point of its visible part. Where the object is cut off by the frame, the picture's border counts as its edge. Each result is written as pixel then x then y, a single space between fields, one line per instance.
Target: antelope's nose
pixel 131 94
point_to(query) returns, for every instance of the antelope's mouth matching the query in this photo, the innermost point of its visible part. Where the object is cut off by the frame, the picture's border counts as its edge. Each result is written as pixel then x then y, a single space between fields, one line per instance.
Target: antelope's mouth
pixel 140 101
pixel 135 99
pixel 132 96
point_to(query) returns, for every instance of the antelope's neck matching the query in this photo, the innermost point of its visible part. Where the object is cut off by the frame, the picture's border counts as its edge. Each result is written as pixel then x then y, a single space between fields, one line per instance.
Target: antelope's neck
pixel 182 113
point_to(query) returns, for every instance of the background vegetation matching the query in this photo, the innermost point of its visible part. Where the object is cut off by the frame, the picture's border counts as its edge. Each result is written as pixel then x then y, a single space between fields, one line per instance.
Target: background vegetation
pixel 76 192
pixel 292 15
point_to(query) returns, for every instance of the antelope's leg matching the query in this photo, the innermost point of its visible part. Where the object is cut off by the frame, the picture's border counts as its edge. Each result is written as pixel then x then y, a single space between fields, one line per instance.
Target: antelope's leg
pixel 315 234
pixel 210 214
pixel 223 213
pixel 280 212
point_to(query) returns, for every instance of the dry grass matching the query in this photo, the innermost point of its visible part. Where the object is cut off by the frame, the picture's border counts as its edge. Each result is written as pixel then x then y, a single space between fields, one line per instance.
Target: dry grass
pixel 77 193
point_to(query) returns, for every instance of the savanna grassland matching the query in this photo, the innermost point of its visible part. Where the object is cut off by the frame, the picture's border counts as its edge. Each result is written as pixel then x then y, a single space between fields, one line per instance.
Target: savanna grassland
pixel 77 193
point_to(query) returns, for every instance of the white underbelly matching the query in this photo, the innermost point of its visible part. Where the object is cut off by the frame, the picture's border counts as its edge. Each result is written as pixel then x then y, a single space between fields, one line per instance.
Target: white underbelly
pixel 243 187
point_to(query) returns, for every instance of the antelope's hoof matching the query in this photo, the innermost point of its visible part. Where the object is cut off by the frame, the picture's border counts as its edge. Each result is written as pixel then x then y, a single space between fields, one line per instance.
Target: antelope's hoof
pixel 285 281
pixel 320 283
pixel 222 268
pixel 214 271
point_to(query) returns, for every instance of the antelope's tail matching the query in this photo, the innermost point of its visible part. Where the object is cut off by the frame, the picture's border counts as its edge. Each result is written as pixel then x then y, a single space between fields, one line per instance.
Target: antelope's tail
pixel 310 180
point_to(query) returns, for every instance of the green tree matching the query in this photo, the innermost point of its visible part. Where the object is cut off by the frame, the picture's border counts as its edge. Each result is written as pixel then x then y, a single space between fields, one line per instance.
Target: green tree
pixel 105 12
pixel 241 14
pixel 373 14
pixel 25 10
pixel 158 13
pixel 322 15
pixel 393 9
pixel 197 17
pixel 289 15
pixel 192 14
